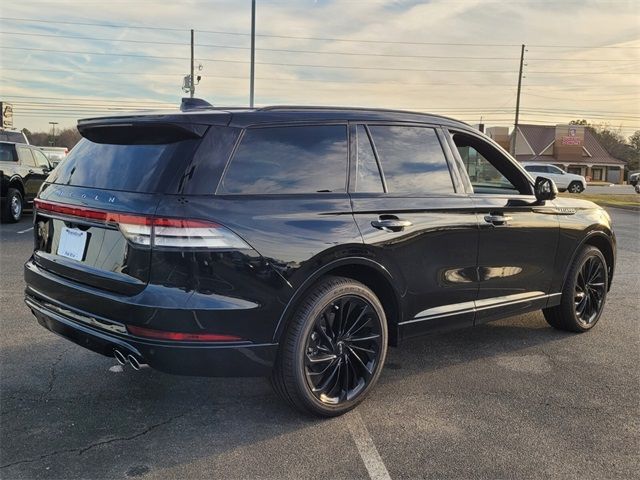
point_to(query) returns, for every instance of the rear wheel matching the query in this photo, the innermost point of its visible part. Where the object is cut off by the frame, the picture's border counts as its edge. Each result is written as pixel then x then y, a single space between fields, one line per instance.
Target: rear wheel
pixel 583 295
pixel 575 187
pixel 12 209
pixel 333 350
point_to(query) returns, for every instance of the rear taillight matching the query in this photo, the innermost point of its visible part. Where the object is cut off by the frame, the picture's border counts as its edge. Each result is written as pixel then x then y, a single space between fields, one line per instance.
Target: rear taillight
pixel 156 231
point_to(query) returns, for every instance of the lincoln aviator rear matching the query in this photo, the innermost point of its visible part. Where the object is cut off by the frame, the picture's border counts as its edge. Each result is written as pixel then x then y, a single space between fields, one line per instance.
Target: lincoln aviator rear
pixel 299 243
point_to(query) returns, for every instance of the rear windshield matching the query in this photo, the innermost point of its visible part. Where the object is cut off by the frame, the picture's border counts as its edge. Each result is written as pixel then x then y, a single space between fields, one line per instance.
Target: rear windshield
pixel 130 168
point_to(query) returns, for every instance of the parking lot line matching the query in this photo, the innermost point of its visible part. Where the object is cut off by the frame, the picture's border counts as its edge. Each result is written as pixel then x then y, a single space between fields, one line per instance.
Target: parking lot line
pixel 25 231
pixel 367 449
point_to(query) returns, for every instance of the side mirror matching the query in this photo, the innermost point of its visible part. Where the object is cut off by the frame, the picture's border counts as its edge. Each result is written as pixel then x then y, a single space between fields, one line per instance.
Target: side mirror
pixel 545 189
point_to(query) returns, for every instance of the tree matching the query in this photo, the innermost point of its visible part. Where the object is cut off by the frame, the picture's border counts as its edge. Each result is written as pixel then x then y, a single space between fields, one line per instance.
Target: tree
pixel 64 138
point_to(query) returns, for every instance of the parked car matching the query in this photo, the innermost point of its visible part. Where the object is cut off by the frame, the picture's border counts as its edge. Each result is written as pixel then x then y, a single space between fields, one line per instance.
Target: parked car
pixel 634 179
pixel 23 168
pixel 15 136
pixel 564 181
pixel 299 242
pixel 55 154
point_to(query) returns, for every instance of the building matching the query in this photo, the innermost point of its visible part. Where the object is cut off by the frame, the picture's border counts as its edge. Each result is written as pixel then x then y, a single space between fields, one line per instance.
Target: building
pixel 573 148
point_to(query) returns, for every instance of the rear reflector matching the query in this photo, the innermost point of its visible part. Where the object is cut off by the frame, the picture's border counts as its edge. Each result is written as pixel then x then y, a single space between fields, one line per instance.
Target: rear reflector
pixel 156 231
pixel 180 336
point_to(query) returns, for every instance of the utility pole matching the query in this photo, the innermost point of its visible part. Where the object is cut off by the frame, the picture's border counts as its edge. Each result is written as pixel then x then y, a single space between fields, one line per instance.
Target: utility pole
pixel 53 133
pixel 192 82
pixel 253 52
pixel 515 126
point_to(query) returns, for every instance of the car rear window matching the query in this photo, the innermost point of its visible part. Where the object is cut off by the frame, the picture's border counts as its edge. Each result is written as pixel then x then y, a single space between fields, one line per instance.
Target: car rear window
pixel 292 159
pixel 412 159
pixel 124 167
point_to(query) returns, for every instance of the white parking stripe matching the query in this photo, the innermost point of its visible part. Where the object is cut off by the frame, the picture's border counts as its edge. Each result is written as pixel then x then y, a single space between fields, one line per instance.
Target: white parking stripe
pixel 25 231
pixel 366 447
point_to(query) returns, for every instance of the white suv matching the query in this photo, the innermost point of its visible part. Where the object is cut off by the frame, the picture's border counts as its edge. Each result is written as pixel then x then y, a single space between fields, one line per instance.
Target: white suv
pixel 564 181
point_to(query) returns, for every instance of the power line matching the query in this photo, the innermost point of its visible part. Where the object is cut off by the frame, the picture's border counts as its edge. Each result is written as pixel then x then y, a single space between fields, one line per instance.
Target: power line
pixel 306 65
pixel 349 40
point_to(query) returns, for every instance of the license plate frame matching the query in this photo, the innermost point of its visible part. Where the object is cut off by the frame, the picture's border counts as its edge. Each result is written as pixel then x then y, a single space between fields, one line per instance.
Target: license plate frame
pixel 72 244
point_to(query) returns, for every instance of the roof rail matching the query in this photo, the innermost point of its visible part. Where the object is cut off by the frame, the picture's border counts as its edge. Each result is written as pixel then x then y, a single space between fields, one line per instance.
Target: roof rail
pixel 194 104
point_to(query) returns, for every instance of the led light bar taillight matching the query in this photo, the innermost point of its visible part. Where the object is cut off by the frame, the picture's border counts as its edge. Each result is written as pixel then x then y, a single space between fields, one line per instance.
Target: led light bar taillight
pixel 156 231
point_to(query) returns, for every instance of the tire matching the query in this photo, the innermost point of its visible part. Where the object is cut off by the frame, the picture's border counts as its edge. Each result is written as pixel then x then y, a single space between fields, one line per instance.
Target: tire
pixel 580 307
pixel 575 187
pixel 13 206
pixel 321 368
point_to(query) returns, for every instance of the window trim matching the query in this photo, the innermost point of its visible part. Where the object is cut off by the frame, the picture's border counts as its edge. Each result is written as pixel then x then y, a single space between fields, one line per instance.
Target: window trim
pixel 234 151
pixel 456 190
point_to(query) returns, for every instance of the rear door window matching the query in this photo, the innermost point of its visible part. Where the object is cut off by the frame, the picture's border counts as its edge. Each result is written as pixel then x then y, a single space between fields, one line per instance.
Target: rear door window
pixel 412 159
pixel 26 157
pixel 292 159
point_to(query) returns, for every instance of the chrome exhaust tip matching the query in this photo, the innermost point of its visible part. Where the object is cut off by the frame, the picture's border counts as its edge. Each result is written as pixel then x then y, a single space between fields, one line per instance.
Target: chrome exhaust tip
pixel 120 358
pixel 135 363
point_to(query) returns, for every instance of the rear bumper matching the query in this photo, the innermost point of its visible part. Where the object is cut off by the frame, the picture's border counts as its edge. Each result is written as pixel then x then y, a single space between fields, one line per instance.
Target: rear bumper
pixel 181 358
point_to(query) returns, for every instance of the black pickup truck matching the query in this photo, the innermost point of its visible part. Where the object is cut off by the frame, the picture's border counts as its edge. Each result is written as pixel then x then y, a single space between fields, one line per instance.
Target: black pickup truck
pixel 23 168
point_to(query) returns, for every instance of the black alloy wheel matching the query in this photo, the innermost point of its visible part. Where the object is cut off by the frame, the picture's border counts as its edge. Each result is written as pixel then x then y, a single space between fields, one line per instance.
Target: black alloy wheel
pixel 583 295
pixel 333 349
pixel 590 290
pixel 343 349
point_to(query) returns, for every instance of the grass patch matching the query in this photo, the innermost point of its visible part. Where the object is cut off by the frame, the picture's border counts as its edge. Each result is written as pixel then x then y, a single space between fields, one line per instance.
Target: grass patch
pixel 624 201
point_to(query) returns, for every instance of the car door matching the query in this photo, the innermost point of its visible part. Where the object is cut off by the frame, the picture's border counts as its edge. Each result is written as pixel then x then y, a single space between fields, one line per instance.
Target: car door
pixel 43 167
pixel 518 237
pixel 558 176
pixel 31 175
pixel 416 221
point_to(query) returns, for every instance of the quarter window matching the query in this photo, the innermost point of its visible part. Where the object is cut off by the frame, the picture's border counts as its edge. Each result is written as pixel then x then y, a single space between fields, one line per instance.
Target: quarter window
pixel 294 159
pixel 412 159
pixel 26 157
pixel 368 179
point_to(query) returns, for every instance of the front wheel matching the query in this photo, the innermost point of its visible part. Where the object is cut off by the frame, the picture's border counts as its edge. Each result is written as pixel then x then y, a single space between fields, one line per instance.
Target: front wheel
pixel 333 350
pixel 583 294
pixel 575 187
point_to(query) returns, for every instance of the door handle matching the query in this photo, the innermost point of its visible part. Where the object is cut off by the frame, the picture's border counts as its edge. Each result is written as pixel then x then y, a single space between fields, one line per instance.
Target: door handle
pixel 31 170
pixel 497 219
pixel 391 224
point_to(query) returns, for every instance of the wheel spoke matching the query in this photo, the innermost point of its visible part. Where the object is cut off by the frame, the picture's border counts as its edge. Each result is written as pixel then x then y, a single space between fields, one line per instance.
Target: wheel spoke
pixel 322 387
pixel 368 338
pixel 359 361
pixel 321 358
pixel 353 330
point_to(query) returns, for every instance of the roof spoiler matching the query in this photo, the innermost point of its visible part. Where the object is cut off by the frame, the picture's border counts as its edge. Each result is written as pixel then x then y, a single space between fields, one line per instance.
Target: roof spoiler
pixel 194 104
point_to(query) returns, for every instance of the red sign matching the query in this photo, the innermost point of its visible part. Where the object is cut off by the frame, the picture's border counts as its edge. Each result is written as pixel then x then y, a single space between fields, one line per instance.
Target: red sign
pixel 571 141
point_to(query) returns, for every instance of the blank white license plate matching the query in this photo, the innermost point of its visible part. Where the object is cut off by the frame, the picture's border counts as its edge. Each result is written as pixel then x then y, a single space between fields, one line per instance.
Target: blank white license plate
pixel 72 243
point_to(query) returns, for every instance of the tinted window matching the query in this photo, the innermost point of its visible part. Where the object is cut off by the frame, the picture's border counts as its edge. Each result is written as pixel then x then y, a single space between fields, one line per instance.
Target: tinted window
pixel 133 168
pixel 535 168
pixel 489 170
pixel 8 153
pixel 305 159
pixel 412 159
pixel 26 158
pixel 368 177
pixel 554 169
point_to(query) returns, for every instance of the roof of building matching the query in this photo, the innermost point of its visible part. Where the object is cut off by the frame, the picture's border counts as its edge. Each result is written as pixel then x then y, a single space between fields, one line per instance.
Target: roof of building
pixel 540 137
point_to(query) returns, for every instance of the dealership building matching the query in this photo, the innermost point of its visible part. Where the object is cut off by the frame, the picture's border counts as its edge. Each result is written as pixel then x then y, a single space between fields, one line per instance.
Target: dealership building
pixel 573 148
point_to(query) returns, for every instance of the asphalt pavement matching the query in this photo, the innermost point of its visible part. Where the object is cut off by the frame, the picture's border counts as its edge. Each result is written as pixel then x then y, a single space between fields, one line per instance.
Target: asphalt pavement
pixel 511 399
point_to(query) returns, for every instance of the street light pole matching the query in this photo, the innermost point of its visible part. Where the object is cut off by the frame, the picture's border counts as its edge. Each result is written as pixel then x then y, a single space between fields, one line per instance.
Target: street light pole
pixel 253 52
pixel 515 126
pixel 53 133
pixel 192 83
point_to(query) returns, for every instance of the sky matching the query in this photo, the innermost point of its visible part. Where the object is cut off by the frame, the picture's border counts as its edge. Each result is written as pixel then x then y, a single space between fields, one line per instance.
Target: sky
pixel 61 60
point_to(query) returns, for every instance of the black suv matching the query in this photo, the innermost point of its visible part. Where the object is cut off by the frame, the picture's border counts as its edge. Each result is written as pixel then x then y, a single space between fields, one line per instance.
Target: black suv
pixel 298 243
pixel 23 169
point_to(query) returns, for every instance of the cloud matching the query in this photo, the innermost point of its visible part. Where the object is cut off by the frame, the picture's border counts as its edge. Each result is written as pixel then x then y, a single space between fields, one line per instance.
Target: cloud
pixel 560 83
